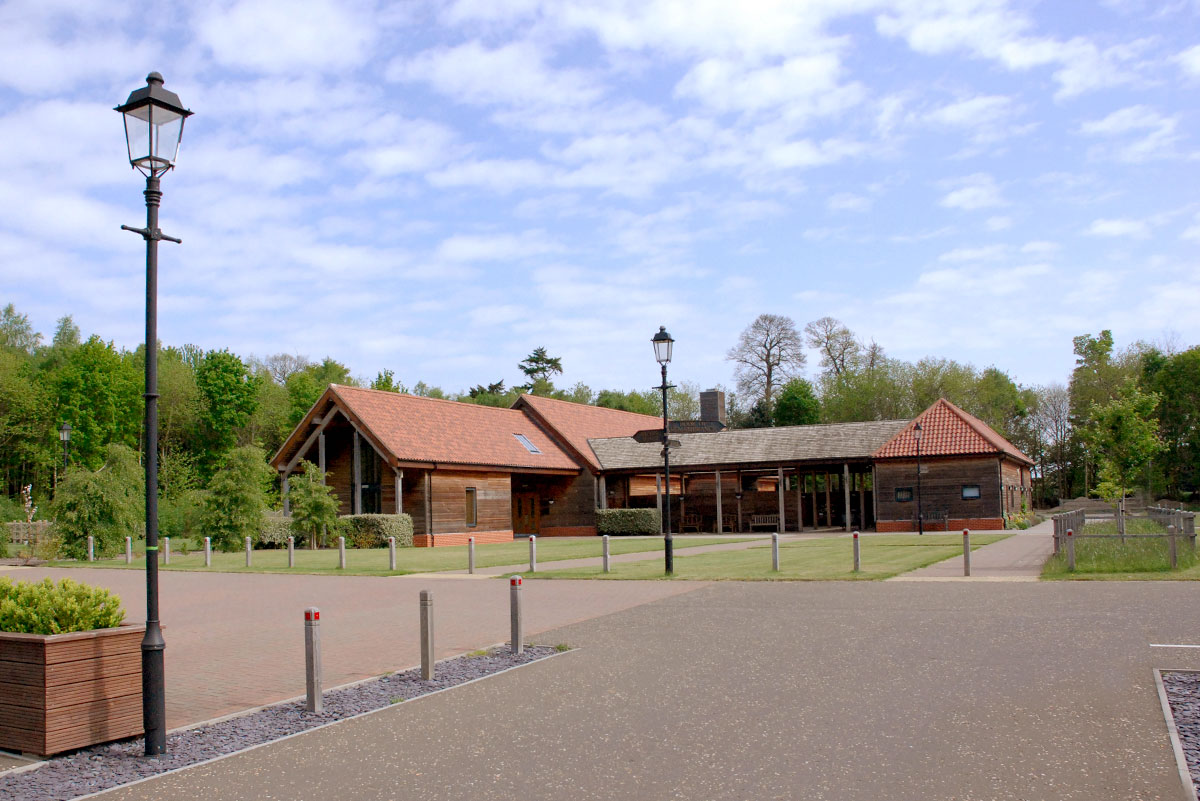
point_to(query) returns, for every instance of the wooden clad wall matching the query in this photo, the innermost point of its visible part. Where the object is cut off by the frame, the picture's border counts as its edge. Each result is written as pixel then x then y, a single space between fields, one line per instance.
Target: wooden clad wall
pixel 449 501
pixel 339 463
pixel 941 488
pixel 414 499
pixel 573 511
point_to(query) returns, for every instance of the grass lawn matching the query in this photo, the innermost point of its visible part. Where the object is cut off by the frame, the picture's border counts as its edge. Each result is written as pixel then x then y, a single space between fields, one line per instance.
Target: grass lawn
pixel 374 561
pixel 1133 560
pixel 829 558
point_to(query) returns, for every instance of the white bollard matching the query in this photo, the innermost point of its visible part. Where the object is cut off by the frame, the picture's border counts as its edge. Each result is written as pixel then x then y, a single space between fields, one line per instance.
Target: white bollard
pixel 514 609
pixel 1172 550
pixel 471 555
pixel 208 551
pixel 312 660
pixel 248 552
pixel 426 635
pixel 341 553
pixel 966 551
pixel 857 554
pixel 532 553
pixel 1070 550
pixel 91 548
pixel 775 552
pixel 607 565
pixel 392 554
pixel 291 551
pixel 129 550
pixel 166 550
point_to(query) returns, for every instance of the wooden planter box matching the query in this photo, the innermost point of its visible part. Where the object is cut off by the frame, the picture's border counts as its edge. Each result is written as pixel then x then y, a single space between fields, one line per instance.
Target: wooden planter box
pixel 64 691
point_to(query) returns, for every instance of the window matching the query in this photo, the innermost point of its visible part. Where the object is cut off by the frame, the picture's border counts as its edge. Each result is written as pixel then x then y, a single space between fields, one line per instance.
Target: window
pixel 970 492
pixel 529 446
pixel 472 512
pixel 904 494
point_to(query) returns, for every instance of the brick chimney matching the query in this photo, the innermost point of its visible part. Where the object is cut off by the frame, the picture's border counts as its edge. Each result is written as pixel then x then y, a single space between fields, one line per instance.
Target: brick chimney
pixel 712 406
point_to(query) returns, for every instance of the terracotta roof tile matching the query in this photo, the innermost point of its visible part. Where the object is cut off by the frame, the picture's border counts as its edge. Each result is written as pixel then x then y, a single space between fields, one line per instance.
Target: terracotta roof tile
pixel 947 430
pixel 576 423
pixel 415 429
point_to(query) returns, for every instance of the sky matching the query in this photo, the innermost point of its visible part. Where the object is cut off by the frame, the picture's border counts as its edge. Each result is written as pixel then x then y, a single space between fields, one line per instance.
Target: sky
pixel 440 188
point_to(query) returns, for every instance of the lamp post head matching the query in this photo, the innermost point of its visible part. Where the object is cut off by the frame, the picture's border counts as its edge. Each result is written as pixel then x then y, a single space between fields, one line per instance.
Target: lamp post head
pixel 64 432
pixel 917 433
pixel 662 345
pixel 153 119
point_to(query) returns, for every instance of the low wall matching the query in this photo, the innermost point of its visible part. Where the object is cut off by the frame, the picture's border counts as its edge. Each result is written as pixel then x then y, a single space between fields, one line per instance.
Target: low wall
pixel 460 538
pixel 568 531
pixel 935 526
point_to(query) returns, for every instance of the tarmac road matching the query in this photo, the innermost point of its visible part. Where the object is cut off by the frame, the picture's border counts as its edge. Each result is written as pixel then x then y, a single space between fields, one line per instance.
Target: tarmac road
pixel 780 690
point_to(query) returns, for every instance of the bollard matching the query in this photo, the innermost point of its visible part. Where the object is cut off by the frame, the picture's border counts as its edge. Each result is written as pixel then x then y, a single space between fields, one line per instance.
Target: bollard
pixel 1172 553
pixel 604 548
pixel 514 603
pixel 1070 550
pixel 775 552
pixel 312 660
pixel 532 553
pixel 857 554
pixel 249 550
pixel 341 553
pixel 392 554
pixel 291 551
pixel 208 551
pixel 166 550
pixel 426 635
pixel 471 555
pixel 129 550
pixel 91 548
pixel 966 551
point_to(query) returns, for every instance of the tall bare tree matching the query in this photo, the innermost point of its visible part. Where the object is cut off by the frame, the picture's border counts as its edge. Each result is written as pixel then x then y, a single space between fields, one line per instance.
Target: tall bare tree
pixel 838 347
pixel 767 354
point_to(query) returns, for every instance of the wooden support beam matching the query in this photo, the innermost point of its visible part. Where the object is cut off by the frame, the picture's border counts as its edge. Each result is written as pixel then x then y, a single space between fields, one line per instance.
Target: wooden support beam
pixel 720 520
pixel 429 504
pixel 356 490
pixel 846 492
pixel 308 443
pixel 816 517
pixel 287 503
pixel 399 491
pixel 603 493
pixel 828 500
pixel 658 492
pixel 875 497
pixel 862 500
pixel 782 504
pixel 738 495
pixel 799 500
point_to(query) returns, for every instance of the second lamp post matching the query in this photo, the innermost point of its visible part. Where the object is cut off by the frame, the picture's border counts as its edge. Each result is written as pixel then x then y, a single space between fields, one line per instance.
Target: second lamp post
pixel 662 352
pixel 920 513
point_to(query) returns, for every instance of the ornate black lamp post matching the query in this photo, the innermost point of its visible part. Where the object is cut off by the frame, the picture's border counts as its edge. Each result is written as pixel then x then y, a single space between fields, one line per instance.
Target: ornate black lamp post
pixel 64 433
pixel 920 514
pixel 153 130
pixel 662 352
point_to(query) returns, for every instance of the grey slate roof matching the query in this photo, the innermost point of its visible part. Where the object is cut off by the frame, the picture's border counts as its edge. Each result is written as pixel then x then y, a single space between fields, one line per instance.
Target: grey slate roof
pixel 820 443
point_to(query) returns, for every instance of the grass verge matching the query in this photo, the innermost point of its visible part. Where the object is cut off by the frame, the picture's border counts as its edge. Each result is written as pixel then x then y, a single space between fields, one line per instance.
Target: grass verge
pixel 1140 559
pixel 826 559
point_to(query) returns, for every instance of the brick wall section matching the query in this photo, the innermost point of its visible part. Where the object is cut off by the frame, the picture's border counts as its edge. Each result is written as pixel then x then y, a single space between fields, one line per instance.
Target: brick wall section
pixel 956 525
pixel 339 470
pixel 460 538
pixel 568 531
pixel 941 489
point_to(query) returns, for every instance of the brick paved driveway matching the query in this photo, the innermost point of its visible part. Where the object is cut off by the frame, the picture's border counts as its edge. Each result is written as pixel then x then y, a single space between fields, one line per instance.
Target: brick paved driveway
pixel 236 641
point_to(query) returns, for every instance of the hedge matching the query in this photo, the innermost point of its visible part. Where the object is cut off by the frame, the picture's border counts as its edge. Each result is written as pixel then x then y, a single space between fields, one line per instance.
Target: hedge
pixel 372 531
pixel 625 522
pixel 49 608
pixel 275 530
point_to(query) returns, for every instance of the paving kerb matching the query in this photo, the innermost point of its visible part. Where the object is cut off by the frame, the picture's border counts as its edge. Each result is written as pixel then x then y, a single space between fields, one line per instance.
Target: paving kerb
pixel 236 641
pixel 897 691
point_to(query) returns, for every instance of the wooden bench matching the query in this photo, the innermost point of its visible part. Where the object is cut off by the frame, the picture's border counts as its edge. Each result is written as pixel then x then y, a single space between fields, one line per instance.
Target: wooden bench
pixel 769 521
pixel 690 521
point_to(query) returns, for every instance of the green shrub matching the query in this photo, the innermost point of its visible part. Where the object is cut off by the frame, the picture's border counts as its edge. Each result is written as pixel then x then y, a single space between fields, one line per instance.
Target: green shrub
pixel 179 516
pixel 275 530
pixel 237 498
pixel 107 503
pixel 11 509
pixel 49 608
pixel 626 522
pixel 314 504
pixel 32 541
pixel 372 531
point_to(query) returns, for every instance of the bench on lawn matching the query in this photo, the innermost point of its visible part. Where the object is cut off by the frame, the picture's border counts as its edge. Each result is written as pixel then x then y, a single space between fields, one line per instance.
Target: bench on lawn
pixel 769 521
pixel 690 521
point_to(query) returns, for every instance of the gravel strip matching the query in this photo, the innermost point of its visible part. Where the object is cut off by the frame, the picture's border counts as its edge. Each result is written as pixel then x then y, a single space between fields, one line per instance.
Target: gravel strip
pixel 1183 693
pixel 102 767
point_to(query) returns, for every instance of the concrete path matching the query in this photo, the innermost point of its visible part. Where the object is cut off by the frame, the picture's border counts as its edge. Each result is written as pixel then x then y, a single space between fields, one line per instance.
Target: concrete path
pixel 1018 558
pixel 236 640
pixel 792 690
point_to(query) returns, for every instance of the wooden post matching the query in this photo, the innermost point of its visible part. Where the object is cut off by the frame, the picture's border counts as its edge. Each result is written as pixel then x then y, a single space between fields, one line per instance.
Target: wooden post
pixel 799 500
pixel 658 489
pixel 287 503
pixel 862 499
pixel 816 515
pixel 1070 550
pixel 738 497
pixel 321 454
pixel 1172 551
pixel 356 492
pixel 828 500
pixel 782 506
pixel 720 520
pixel 846 493
pixel 429 505
pixel 682 502
pixel 603 493
pixel 399 481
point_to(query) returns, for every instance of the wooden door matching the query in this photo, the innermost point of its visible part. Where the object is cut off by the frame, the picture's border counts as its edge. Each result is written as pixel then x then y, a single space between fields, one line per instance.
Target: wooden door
pixel 526 514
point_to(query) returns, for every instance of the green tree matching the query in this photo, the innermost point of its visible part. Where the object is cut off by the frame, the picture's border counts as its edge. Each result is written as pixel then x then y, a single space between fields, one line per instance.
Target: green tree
pixel 797 404
pixel 386 381
pixel 1176 380
pixel 28 444
pixel 16 332
pixel 313 503
pixel 645 402
pixel 237 498
pixel 540 367
pixel 306 386
pixel 107 504
pixel 228 395
pixel 1124 435
pixel 99 392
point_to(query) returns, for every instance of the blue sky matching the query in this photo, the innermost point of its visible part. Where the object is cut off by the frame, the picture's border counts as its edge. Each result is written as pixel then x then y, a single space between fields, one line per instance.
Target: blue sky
pixel 440 188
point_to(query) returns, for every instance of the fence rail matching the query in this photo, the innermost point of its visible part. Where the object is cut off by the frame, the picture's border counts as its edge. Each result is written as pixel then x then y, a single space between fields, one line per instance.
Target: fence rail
pixel 1174 522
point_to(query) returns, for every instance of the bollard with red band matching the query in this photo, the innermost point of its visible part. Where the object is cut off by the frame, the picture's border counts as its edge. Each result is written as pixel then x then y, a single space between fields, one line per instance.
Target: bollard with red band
pixel 1070 549
pixel 471 555
pixel 857 555
pixel 966 552
pixel 514 600
pixel 312 660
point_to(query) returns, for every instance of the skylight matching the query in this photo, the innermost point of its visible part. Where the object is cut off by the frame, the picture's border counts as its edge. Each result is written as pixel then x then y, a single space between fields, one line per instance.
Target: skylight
pixel 529 446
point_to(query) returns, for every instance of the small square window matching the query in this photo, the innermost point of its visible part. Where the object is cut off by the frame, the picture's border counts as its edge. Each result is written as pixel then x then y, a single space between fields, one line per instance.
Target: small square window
pixel 904 494
pixel 529 446
pixel 472 511
pixel 970 492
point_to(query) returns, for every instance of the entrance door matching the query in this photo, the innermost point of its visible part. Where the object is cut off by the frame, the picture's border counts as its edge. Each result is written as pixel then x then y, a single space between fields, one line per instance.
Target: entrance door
pixel 526 514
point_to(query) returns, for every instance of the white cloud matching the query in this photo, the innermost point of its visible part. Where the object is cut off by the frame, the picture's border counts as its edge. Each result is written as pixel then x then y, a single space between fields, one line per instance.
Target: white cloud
pixel 1041 248
pixel 998 223
pixel 1192 232
pixel 987 118
pixel 985 253
pixel 1157 142
pixel 1138 229
pixel 978 191
pixel 496 247
pixel 847 201
pixel 801 86
pixel 1189 61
